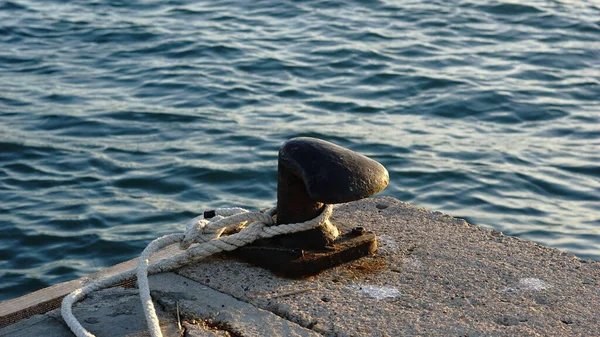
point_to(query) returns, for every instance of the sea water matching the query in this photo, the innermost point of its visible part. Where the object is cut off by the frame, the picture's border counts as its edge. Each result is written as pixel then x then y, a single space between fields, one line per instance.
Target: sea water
pixel 122 119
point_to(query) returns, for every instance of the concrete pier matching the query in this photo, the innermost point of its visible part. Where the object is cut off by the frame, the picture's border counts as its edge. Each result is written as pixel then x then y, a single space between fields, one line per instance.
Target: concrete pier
pixel 433 275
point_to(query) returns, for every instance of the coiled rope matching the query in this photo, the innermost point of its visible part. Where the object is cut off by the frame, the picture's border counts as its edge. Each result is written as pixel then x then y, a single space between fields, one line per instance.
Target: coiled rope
pixel 207 233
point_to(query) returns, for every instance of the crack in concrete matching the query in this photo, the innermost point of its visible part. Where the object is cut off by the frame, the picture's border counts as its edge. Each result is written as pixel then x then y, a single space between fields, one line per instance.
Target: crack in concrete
pixel 281 314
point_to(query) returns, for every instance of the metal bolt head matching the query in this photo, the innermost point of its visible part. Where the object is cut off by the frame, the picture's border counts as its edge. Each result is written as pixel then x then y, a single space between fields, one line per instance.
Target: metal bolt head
pixel 359 230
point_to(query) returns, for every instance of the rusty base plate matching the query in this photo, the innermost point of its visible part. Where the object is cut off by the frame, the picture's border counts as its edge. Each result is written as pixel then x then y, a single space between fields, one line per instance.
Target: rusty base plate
pixel 298 263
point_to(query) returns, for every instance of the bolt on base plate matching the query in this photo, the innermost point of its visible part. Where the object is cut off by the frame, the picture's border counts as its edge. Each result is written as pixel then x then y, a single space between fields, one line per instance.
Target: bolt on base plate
pixel 298 263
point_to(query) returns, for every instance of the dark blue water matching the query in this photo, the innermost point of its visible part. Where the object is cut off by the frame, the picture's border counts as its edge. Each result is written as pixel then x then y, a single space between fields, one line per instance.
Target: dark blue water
pixel 121 119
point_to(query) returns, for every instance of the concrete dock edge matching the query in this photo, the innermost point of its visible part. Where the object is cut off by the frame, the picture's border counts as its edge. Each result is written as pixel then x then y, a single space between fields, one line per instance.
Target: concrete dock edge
pixel 433 275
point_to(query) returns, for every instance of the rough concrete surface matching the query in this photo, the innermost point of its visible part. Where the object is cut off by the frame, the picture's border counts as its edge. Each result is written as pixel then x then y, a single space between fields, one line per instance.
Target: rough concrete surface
pixel 223 312
pixel 40 325
pixel 202 312
pixel 442 276
pixel 433 275
pixel 114 312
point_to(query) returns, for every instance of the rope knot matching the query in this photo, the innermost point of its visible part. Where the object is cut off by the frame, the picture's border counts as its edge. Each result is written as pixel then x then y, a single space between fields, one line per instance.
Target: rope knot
pixel 196 231
pixel 200 229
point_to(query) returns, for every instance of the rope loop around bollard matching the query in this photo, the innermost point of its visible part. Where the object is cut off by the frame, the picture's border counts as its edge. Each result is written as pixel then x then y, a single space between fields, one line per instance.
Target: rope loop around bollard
pixel 206 231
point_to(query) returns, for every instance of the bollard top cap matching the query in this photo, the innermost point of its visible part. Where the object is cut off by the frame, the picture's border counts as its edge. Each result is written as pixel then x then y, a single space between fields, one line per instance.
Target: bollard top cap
pixel 332 174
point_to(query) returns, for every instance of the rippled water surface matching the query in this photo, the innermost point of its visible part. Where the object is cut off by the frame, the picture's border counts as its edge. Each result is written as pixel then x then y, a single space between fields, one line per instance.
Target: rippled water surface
pixel 121 119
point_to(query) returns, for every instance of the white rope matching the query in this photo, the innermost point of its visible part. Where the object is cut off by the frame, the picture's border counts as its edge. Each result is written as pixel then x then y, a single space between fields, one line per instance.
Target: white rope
pixel 207 234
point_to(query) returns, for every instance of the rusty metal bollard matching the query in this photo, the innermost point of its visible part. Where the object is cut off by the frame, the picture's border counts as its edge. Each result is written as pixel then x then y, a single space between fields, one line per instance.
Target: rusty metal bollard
pixel 312 173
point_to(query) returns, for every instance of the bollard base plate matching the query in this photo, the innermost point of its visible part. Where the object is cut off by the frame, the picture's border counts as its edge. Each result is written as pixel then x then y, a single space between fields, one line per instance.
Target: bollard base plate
pixel 299 263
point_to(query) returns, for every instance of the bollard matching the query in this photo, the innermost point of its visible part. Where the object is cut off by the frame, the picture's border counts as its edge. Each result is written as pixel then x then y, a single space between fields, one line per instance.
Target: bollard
pixel 311 173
